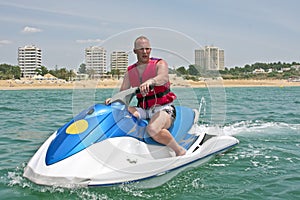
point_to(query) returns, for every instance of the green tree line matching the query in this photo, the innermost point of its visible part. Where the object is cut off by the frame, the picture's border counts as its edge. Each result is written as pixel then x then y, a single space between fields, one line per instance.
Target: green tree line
pixel 246 72
pixel 9 72
pixel 14 72
pixel 194 72
pixel 61 73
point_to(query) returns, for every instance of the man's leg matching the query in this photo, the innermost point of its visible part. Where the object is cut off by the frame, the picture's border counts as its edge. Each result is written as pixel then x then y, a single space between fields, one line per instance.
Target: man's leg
pixel 134 112
pixel 158 130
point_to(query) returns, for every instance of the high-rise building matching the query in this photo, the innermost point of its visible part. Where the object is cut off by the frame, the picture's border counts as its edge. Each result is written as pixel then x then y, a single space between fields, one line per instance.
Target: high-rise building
pixel 119 61
pixel 29 59
pixel 199 57
pixel 95 60
pixel 210 58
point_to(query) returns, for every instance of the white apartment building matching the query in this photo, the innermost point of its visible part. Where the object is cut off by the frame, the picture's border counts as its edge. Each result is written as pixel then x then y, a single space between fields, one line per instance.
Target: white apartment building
pixel 119 61
pixel 95 60
pixel 210 58
pixel 29 59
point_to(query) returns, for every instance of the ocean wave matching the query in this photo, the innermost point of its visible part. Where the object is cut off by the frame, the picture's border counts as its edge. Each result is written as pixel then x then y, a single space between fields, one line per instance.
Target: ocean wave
pixel 8 109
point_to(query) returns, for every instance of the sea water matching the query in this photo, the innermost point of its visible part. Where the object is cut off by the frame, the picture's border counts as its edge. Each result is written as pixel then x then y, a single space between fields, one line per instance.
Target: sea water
pixel 265 165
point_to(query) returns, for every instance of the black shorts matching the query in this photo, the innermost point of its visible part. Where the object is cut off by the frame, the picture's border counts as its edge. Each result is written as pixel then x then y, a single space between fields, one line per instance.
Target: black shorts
pixel 171 111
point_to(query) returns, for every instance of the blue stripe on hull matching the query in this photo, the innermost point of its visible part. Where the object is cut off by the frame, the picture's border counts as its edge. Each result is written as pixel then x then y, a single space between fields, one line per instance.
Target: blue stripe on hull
pixel 108 121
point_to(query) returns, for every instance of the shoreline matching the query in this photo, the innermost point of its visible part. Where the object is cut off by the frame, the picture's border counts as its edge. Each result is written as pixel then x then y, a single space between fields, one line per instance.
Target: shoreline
pixel 113 83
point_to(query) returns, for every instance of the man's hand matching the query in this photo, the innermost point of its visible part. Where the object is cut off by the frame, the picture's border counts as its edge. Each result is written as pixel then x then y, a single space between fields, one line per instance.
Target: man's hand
pixel 107 101
pixel 145 87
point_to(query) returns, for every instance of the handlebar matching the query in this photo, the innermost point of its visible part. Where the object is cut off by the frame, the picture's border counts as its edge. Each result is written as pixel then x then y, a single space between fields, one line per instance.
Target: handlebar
pixel 126 95
pixel 151 87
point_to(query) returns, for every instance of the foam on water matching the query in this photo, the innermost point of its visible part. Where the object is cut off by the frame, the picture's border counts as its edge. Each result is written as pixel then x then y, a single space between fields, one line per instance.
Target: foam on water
pixel 15 179
pixel 258 126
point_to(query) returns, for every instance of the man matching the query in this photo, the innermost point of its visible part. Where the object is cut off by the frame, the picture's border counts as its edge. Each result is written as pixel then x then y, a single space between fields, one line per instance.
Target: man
pixel 155 104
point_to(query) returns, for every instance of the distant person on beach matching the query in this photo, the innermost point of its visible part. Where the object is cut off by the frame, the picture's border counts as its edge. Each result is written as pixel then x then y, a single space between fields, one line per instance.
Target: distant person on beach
pixel 157 104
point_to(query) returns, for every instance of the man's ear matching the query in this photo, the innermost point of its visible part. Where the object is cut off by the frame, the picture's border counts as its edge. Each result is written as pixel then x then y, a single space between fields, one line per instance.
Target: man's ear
pixel 134 51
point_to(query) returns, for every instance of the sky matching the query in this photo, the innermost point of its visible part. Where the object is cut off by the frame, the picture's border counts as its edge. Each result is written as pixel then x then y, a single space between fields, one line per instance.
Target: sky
pixel 248 31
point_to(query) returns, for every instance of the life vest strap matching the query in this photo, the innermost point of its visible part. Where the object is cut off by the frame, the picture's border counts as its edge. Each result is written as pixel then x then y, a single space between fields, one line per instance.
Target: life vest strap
pixel 147 98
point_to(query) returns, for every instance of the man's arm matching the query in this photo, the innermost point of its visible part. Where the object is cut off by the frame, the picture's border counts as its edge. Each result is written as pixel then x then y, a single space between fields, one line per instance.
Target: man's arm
pixel 126 83
pixel 162 73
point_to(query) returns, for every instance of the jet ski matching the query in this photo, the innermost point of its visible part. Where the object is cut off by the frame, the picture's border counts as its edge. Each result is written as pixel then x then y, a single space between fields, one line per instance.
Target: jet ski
pixel 105 145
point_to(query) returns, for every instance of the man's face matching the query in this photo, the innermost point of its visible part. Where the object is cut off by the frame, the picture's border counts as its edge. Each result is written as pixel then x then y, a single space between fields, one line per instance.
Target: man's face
pixel 142 50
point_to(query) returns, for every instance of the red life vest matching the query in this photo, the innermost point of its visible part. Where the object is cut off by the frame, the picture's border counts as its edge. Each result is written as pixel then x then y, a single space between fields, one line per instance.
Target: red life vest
pixel 160 95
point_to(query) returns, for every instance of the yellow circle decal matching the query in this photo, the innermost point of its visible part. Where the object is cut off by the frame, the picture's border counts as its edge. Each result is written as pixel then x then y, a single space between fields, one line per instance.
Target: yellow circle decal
pixel 77 127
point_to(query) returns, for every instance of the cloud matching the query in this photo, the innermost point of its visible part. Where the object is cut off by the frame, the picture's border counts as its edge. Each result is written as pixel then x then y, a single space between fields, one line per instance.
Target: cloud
pixel 4 42
pixel 89 41
pixel 28 29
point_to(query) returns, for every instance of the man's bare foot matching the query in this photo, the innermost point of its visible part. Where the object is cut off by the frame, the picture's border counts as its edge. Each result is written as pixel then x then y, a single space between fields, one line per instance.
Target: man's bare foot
pixel 181 152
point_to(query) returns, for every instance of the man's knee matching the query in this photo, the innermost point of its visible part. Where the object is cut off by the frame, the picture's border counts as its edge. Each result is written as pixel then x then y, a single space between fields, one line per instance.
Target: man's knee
pixel 151 129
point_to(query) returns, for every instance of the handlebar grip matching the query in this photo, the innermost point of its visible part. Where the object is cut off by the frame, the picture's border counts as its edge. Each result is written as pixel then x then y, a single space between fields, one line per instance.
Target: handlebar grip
pixel 151 87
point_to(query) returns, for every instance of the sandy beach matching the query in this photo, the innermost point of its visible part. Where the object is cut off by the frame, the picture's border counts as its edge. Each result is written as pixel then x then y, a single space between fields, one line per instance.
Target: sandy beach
pixel 114 83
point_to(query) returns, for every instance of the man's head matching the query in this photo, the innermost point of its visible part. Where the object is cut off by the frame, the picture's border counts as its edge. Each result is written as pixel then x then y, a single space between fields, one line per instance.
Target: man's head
pixel 142 49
